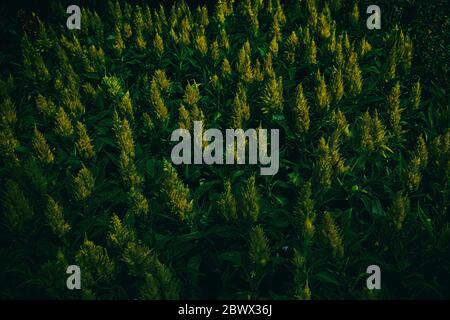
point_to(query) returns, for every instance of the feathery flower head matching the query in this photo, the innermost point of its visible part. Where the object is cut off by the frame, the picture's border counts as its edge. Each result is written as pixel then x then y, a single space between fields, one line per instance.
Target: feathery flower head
pixel 83 184
pixel 259 247
pixel 41 148
pixel 55 218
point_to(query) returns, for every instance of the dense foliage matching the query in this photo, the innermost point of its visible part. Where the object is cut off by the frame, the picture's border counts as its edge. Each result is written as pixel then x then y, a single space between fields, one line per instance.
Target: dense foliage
pixel 85 123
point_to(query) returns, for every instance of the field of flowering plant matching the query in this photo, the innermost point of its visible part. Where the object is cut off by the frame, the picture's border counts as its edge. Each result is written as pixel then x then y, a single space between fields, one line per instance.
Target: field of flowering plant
pixel 86 175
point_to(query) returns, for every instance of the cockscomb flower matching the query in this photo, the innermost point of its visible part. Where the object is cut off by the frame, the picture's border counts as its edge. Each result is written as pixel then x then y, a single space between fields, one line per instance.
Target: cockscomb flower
pixel 125 106
pixel 324 26
pixel 322 96
pixel 440 148
pixel 138 202
pixel 272 96
pixel 119 235
pixel 184 119
pixel 8 116
pixel 215 51
pixel 341 127
pixel 17 209
pixel 332 235
pixel 191 94
pixel 226 67
pixel 201 43
pixel 364 47
pixel 338 58
pixel 158 45
pixel 413 174
pixel 55 218
pixel 83 184
pixel 337 84
pixel 268 66
pixel 258 74
pixel 244 67
pixel 113 87
pixel 223 40
pixel 304 215
pixel 421 151
pixel 394 110
pixel 275 28
pixel 176 193
pixel 128 171
pixel 416 93
pixel 162 80
pixel 185 32
pixel 259 251
pixel 250 206
pixel 240 111
pixel 310 47
pixel 353 74
pixel 119 45
pixel 41 148
pixel 227 203
pixel 159 107
pixel 63 124
pixel 291 48
pixel 373 133
pixel 354 15
pixel 124 136
pixel 94 261
pixel 273 47
pixel 142 262
pixel 323 167
pixel 300 111
pixel 84 144
pixel 45 106
pixel 399 209
pixel 8 143
pixel 417 163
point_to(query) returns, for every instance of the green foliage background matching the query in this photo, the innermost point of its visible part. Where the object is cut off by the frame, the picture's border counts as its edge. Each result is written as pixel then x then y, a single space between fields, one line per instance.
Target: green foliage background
pixel 86 117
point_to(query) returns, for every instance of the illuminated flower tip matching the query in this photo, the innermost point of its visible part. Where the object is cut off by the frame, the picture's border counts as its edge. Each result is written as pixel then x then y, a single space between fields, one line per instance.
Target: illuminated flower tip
pixel 291 51
pixel 250 206
pixel 63 126
pixel 55 218
pixel 119 235
pixel 83 184
pixel 226 67
pixel 337 84
pixel 332 234
pixel 41 148
pixel 416 93
pixel 272 96
pixel 160 110
pixel 176 193
pixel 84 144
pixel 244 67
pixel 240 112
pixel 364 47
pixel 227 203
pixel 323 98
pixel 399 209
pixel 301 111
pixel 373 133
pixel 191 94
pixel 304 214
pixel 96 265
pixel 394 110
pixel 259 247
pixel 162 80
pixel 158 45
pixel 353 74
